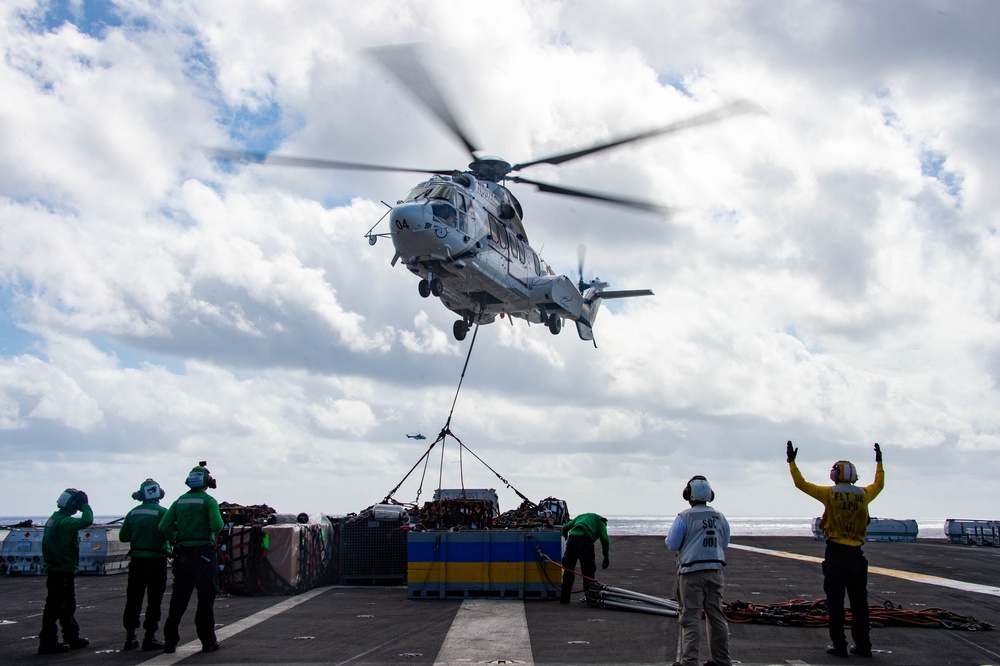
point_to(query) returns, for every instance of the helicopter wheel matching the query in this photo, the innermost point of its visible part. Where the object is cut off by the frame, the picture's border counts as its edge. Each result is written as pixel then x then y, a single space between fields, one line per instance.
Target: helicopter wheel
pixel 437 287
pixel 460 329
pixel 555 324
pixel 424 288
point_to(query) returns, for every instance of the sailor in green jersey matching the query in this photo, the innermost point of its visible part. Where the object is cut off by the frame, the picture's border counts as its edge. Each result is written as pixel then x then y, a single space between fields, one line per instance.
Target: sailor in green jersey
pixel 147 571
pixel 580 534
pixel 844 525
pixel 192 523
pixel 61 561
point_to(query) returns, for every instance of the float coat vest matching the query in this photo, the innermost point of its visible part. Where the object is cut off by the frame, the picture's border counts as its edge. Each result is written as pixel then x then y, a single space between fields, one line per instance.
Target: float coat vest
pixel 703 546
pixel 845 518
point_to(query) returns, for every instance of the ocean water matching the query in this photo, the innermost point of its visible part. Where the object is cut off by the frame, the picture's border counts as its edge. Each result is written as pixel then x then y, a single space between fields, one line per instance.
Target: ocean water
pixel 650 525
pixel 747 526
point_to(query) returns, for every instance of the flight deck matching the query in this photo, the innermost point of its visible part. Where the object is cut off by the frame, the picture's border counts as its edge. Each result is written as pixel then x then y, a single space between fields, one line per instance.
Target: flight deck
pixel 367 625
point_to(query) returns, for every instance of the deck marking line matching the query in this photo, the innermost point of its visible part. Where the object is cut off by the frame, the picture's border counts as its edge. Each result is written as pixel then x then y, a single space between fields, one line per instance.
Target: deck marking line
pixel 486 630
pixel 895 573
pixel 230 630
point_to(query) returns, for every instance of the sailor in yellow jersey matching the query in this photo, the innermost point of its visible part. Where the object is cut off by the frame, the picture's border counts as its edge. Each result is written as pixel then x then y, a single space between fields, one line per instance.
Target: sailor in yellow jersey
pixel 844 524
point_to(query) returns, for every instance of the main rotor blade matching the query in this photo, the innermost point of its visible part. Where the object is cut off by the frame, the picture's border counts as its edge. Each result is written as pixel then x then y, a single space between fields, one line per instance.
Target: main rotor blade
pixel 246 156
pixel 732 109
pixel 406 63
pixel 638 204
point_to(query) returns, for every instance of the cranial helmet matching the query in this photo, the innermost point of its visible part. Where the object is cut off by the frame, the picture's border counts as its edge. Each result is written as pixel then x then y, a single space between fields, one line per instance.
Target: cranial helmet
pixel 843 471
pixel 698 489
pixel 200 477
pixel 148 491
pixel 67 500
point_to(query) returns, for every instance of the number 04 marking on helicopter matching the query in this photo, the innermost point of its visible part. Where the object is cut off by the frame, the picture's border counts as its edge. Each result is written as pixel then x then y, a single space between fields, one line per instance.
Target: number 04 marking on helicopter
pixel 461 232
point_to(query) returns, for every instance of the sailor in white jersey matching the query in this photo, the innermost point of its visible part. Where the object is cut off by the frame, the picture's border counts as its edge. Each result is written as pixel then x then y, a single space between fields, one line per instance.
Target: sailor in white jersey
pixel 700 536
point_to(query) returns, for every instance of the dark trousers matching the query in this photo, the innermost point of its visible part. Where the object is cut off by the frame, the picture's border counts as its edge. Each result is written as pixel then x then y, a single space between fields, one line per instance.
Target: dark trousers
pixel 580 548
pixel 195 567
pixel 845 569
pixel 147 577
pixel 60 606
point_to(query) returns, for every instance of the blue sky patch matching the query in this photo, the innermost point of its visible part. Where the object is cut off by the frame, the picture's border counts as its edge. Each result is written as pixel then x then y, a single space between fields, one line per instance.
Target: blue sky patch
pixel 932 165
pixel 258 126
pixel 91 17
pixel 133 358
pixel 14 340
pixel 258 130
pixel 675 82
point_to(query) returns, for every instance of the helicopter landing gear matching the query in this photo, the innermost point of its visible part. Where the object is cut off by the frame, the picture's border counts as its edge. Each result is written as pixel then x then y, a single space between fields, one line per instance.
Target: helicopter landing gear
pixel 434 286
pixel 555 323
pixel 437 287
pixel 460 329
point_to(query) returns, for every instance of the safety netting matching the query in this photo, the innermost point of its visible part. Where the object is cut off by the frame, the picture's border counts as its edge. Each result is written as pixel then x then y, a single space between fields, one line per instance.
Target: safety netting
pixel 262 552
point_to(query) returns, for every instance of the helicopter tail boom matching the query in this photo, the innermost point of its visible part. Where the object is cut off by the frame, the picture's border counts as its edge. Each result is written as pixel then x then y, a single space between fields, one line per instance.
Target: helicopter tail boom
pixel 592 305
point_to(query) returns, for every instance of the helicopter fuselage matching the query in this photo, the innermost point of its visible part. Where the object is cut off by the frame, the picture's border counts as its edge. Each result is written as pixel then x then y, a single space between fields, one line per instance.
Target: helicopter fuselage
pixel 464 238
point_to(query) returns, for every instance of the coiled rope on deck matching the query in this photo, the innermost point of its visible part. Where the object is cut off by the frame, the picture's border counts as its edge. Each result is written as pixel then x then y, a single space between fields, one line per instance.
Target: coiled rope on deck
pixel 803 613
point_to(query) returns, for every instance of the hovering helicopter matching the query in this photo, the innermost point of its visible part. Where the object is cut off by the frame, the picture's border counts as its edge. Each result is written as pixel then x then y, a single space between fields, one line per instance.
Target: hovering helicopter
pixel 415 435
pixel 462 232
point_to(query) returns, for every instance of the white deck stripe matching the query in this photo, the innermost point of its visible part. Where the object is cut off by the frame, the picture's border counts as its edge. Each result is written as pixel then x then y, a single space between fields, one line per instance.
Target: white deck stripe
pixel 230 630
pixel 895 573
pixel 487 630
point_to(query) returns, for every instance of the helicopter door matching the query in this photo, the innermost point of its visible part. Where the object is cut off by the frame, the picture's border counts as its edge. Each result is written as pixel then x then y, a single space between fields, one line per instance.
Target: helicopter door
pixel 464 211
pixel 499 234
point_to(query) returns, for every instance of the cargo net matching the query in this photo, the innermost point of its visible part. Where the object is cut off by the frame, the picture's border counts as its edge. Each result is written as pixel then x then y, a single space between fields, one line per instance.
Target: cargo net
pixel 801 613
pixel 457 513
pixel 481 514
pixel 550 512
pixel 262 552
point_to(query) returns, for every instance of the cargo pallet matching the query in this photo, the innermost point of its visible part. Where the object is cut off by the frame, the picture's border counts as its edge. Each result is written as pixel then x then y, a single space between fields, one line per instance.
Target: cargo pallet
pixel 461 592
pixel 973 532
pixel 101 553
pixel 500 564
pixel 372 551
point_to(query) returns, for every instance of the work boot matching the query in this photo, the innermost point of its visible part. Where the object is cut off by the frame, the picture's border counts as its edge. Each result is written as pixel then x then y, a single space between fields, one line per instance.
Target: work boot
pixel 150 643
pixel 53 648
pixel 861 652
pixel 210 647
pixel 837 651
pixel 131 642
pixel 170 648
pixel 78 643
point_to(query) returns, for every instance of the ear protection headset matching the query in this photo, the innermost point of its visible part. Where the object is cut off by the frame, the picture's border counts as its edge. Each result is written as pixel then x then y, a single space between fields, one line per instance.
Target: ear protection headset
pixel 844 471
pixel 200 477
pixel 698 489
pixel 149 491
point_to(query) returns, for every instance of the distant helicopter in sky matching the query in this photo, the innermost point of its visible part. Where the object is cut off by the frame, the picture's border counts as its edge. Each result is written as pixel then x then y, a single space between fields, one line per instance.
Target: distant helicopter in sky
pixel 415 435
pixel 462 232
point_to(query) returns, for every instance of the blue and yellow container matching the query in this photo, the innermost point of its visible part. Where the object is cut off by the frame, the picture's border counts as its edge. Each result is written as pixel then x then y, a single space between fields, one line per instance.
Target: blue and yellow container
pixel 484 563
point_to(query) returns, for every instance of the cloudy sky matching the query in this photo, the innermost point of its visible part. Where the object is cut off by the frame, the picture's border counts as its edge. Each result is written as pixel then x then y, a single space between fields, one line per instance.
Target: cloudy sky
pixel 830 276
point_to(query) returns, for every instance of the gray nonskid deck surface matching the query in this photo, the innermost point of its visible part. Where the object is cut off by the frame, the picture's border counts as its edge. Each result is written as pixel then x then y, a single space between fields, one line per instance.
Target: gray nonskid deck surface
pixel 363 625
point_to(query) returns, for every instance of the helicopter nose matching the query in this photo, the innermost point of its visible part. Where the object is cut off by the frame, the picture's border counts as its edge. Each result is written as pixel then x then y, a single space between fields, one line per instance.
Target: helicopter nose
pixel 412 235
pixel 410 217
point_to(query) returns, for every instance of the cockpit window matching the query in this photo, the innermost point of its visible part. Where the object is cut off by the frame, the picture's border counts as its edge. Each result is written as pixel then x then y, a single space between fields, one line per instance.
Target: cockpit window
pixel 433 191
pixel 445 212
